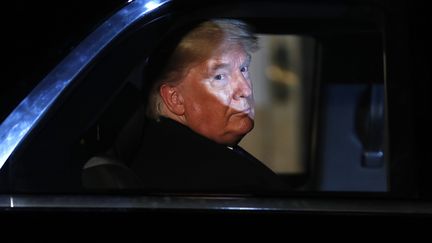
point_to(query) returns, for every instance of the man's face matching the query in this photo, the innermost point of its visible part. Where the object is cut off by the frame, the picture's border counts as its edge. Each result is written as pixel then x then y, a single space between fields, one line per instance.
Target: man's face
pixel 218 96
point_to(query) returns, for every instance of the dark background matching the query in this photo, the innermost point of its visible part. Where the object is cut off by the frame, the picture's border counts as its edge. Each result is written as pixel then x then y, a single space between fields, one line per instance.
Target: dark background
pixel 38 34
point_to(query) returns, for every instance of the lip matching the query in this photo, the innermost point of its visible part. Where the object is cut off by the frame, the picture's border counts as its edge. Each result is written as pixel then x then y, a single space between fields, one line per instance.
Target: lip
pixel 245 111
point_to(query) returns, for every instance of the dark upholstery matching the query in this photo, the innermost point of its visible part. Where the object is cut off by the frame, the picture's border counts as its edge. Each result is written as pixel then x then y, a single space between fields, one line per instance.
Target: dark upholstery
pixel 107 173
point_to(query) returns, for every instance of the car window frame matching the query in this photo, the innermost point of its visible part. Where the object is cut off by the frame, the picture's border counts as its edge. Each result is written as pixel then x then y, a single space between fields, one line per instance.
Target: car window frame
pixel 373 195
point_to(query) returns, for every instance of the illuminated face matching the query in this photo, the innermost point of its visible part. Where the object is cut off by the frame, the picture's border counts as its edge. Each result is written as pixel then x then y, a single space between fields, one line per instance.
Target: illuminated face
pixel 217 96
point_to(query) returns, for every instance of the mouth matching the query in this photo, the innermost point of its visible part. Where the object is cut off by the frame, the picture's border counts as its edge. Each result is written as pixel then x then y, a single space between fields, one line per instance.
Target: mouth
pixel 244 112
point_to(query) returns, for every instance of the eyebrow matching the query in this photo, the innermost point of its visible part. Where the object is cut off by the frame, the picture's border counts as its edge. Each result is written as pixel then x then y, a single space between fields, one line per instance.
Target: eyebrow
pixel 222 65
pixel 218 66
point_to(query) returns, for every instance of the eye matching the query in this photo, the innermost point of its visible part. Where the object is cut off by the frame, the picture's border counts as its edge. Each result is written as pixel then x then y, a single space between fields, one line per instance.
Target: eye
pixel 244 69
pixel 219 80
pixel 219 77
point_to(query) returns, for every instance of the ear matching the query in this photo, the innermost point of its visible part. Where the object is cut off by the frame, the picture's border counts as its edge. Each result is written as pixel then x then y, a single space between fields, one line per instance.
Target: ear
pixel 172 99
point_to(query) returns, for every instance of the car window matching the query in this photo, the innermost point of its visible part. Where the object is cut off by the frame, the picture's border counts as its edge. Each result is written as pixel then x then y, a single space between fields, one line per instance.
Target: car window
pixel 37 43
pixel 320 109
pixel 51 159
pixel 327 90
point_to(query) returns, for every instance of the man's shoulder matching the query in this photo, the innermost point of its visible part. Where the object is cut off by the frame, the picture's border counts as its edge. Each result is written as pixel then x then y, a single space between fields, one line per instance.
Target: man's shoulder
pixel 177 136
pixel 188 160
pixel 169 141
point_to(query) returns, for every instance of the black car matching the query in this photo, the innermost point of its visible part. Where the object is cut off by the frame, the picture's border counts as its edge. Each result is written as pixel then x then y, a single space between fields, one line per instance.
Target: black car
pixel 342 103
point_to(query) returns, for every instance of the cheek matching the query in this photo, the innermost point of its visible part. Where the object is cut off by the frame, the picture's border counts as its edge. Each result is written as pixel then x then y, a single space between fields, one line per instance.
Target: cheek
pixel 207 112
pixel 211 108
pixel 206 105
pixel 197 106
pixel 221 97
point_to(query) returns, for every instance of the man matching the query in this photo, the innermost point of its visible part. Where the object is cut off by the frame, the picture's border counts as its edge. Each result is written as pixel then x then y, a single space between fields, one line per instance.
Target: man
pixel 201 106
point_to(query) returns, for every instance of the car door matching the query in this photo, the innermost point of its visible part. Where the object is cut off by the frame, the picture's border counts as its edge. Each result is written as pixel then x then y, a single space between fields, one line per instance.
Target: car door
pixel 347 117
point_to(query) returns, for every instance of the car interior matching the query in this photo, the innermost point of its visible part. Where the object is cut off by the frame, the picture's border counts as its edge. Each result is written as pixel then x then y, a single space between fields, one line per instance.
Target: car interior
pixel 354 88
pixel 89 137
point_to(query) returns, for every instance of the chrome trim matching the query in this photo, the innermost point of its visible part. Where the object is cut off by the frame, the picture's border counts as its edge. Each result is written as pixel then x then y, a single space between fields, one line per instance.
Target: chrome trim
pixel 27 114
pixel 226 203
pixel 5 201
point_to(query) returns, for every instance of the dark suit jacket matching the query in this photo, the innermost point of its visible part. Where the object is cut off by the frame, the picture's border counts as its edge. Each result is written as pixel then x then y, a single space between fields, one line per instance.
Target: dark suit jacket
pixel 173 158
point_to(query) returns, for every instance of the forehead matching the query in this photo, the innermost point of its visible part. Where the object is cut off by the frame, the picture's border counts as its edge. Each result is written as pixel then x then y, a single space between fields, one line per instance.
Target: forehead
pixel 227 55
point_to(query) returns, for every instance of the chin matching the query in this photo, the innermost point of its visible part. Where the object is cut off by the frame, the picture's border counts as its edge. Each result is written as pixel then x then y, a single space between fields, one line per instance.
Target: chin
pixel 247 128
pixel 248 124
pixel 244 127
pixel 237 132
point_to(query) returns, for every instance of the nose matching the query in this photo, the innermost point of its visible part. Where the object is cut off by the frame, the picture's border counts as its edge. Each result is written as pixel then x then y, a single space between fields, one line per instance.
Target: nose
pixel 243 87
